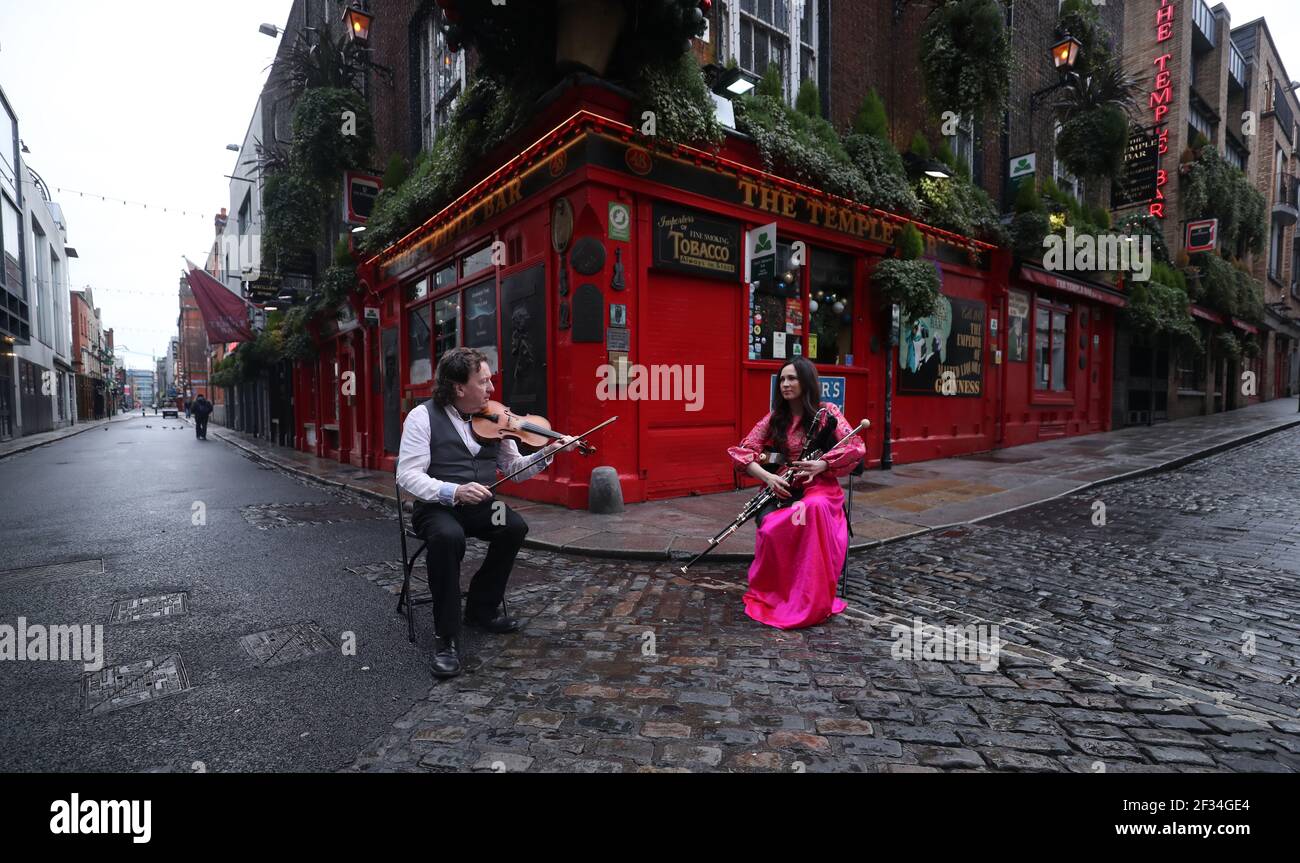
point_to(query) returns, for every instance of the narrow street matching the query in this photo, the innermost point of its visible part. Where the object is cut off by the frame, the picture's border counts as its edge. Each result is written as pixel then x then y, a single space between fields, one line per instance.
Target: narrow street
pixel 1165 639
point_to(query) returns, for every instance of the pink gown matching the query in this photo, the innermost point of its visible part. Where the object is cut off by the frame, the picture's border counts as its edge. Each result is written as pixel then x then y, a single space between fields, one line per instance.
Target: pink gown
pixel 799 551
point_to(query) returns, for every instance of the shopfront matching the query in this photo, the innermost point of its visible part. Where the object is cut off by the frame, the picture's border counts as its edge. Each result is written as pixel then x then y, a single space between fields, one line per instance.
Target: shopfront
pixel 667 287
pixel 1057 366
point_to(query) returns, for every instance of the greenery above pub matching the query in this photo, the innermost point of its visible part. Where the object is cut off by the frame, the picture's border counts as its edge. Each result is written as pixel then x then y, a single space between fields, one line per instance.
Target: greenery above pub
pixel 966 57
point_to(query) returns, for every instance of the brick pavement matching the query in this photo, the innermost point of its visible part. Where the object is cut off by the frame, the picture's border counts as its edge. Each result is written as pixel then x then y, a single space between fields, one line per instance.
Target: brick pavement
pixel 1123 650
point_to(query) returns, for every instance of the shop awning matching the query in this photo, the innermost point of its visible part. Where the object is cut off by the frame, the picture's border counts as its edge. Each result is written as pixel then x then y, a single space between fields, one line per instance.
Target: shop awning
pixel 1242 325
pixel 1087 290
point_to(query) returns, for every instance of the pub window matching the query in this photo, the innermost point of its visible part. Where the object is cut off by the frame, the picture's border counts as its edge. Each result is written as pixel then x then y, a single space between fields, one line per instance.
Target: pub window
pixel 476 261
pixel 419 342
pixel 830 307
pixel 1050 346
pixel 776 310
pixel 481 320
pixel 444 277
pixel 417 290
pixel 440 78
pixel 1191 371
pixel 446 315
pixel 765 27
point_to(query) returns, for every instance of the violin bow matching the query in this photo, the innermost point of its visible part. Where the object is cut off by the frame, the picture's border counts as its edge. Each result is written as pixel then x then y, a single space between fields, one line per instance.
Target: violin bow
pixel 576 438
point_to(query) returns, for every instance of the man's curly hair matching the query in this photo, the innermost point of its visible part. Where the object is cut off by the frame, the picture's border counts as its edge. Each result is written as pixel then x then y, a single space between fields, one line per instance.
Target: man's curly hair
pixel 454 367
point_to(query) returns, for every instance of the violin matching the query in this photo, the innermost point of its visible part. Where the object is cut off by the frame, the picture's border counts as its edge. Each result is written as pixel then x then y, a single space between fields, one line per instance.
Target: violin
pixel 531 432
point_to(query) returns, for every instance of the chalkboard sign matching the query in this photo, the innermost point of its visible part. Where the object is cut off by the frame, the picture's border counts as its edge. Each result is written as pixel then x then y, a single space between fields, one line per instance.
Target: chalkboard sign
pixel 1137 183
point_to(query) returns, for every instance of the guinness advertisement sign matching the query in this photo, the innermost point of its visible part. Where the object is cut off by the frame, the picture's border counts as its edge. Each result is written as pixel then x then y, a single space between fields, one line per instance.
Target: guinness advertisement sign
pixel 691 243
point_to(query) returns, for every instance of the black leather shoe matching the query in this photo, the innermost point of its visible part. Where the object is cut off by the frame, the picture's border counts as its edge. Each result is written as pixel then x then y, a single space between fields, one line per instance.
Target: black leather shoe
pixel 446 656
pixel 500 624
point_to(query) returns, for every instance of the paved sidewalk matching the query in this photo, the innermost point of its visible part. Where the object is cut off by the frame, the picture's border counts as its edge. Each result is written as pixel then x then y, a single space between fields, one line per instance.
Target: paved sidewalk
pixel 910 500
pixel 26 442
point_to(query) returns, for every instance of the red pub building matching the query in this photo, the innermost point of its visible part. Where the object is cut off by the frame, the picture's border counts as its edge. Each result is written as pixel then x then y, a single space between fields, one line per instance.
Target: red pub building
pixel 607 274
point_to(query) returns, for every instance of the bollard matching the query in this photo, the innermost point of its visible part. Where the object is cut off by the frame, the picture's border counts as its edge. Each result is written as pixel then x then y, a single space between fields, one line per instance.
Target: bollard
pixel 605 494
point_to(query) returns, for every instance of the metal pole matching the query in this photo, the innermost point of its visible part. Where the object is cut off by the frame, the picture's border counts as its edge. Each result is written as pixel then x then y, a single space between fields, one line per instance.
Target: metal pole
pixel 886 448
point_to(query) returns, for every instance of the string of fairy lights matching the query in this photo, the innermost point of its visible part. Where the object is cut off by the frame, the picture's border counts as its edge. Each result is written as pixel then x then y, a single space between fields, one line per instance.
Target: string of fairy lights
pixel 144 205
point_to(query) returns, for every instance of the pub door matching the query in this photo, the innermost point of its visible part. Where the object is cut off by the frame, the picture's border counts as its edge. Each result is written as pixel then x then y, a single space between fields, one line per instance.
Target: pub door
pixel 392 391
pixel 692 334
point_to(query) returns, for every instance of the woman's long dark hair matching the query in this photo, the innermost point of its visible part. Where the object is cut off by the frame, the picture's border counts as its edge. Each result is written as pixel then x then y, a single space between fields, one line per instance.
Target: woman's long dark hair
pixel 810 397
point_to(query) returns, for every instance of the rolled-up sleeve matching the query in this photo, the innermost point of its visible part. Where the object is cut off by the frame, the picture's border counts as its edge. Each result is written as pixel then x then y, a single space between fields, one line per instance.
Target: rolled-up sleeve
pixel 841 461
pixel 752 446
pixel 413 461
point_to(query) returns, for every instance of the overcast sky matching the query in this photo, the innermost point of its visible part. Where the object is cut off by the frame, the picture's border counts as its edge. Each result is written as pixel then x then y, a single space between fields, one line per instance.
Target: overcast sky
pixel 135 101
pixel 138 101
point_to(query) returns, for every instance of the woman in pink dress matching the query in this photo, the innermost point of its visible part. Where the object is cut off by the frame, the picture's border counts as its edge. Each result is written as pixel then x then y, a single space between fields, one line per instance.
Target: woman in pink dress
pixel 800 548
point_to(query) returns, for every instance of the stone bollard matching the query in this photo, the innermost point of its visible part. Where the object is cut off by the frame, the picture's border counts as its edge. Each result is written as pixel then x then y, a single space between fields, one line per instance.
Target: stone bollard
pixel 605 494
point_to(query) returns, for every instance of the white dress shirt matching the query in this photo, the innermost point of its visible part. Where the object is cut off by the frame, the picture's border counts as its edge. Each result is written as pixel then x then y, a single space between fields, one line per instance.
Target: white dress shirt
pixel 413 457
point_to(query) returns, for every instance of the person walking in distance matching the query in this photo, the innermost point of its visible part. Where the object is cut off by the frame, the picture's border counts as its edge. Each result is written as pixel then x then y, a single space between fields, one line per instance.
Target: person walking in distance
pixel 201 408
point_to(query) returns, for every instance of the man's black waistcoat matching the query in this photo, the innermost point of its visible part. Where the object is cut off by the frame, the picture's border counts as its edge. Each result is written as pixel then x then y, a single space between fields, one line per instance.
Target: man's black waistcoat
pixel 450 459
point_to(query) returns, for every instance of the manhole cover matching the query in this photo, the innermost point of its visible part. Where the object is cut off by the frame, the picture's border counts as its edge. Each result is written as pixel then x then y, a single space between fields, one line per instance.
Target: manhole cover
pixel 264 516
pixel 119 686
pixel 151 607
pixel 51 572
pixel 286 643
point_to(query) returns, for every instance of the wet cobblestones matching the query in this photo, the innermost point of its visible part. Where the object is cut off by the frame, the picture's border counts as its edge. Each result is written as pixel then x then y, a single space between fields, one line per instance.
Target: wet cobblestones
pixel 1164 640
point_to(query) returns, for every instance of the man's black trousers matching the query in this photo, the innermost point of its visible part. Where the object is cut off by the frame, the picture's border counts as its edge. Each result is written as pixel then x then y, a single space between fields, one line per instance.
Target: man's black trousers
pixel 200 426
pixel 444 529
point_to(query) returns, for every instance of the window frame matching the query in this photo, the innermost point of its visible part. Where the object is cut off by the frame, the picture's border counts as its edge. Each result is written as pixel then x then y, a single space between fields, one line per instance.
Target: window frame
pixel 1048 392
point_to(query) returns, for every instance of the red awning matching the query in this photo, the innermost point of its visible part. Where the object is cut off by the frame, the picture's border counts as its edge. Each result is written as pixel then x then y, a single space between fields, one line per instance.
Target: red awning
pixel 1242 325
pixel 225 316
pixel 1088 291
pixel 1207 315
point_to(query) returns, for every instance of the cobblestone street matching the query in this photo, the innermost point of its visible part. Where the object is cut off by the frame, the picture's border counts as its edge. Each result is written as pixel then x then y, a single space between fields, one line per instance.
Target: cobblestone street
pixel 1162 640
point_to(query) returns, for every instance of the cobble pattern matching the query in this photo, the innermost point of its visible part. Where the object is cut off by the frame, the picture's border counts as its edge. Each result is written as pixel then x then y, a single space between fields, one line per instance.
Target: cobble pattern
pixel 1164 639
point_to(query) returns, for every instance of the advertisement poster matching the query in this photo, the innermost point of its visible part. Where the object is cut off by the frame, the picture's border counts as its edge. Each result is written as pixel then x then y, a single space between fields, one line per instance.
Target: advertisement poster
pixel 1017 326
pixel 690 243
pixel 950 340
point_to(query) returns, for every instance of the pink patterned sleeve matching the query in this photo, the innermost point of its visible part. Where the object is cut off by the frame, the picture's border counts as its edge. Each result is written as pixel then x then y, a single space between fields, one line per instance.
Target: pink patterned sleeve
pixel 843 460
pixel 752 445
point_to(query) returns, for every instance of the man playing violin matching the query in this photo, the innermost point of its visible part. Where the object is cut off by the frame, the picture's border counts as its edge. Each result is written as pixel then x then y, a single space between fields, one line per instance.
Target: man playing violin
pixel 447 469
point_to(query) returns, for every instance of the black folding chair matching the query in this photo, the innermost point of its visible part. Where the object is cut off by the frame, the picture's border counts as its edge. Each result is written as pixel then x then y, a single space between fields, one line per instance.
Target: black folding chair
pixel 408 564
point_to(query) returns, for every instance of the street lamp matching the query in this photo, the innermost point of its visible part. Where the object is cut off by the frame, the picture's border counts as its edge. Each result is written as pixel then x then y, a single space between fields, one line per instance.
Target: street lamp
pixel 358 23
pixel 1065 53
pixel 270 30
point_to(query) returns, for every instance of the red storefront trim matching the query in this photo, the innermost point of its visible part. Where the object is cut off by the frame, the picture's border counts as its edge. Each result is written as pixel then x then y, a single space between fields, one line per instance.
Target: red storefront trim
pixel 1207 315
pixel 1071 286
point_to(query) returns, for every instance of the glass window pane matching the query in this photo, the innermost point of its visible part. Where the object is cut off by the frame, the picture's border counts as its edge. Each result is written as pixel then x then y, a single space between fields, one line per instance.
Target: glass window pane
pixel 765 10
pixel 444 277
pixel 746 58
pixel 1058 351
pixel 760 51
pixel 418 345
pixel 476 261
pixel 481 320
pixel 747 6
pixel 417 290
pixel 831 290
pixel 776 312
pixel 1042 347
pixel 447 322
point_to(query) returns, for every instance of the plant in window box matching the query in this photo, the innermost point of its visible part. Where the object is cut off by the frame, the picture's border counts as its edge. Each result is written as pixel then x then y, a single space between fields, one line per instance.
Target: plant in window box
pixel 1226 345
pixel 907 280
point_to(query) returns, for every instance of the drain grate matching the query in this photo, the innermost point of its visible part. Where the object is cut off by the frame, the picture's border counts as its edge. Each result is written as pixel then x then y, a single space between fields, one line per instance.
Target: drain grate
pixel 120 686
pixel 51 572
pixel 286 643
pixel 150 607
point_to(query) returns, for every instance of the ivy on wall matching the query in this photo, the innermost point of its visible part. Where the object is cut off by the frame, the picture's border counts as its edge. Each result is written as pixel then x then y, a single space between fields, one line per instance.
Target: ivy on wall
pixel 966 57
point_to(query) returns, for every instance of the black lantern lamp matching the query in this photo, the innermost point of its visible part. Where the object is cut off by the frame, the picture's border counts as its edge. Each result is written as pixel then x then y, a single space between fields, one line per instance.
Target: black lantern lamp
pixel 358 23
pixel 1065 53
